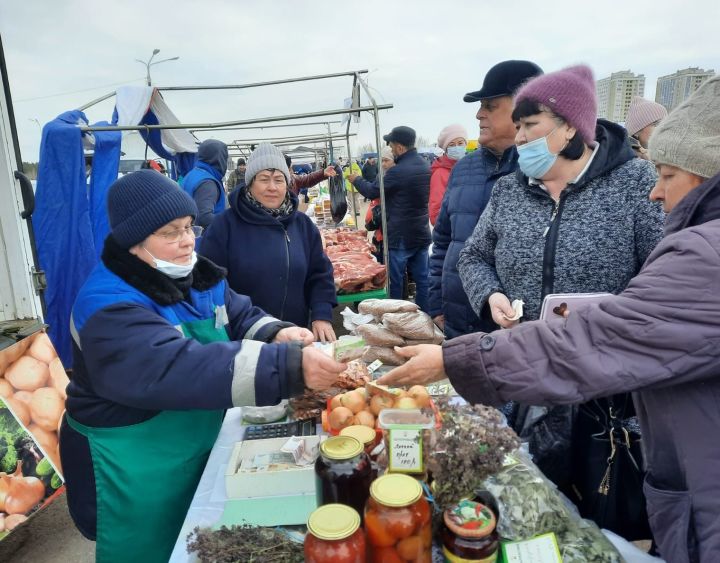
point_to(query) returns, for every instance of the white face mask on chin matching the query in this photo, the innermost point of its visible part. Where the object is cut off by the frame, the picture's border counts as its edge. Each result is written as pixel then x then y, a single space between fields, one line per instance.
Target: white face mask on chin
pixel 175 271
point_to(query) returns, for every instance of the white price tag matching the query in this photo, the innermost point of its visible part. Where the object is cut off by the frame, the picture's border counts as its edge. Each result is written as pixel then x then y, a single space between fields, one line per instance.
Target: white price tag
pixel 406 451
pixel 541 549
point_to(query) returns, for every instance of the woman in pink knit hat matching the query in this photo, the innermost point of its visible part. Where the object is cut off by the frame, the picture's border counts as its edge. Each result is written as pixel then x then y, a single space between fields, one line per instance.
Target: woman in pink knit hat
pixel 576 218
pixel 453 141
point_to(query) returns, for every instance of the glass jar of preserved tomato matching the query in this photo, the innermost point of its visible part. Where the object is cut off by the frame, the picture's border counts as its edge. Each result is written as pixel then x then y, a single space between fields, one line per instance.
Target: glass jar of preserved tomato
pixel 343 473
pixel 469 533
pixel 334 536
pixel 397 521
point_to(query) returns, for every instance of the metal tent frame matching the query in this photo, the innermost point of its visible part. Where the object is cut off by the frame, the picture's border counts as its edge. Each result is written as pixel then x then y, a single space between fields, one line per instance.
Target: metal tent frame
pixel 355 110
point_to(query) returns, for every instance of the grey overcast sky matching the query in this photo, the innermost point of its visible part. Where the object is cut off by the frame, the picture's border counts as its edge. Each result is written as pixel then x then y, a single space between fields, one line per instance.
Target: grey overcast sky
pixel 423 56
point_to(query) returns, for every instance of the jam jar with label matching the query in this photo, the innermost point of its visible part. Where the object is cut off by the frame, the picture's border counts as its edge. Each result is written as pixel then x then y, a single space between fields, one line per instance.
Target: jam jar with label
pixel 469 534
pixel 343 473
pixel 397 521
pixel 334 535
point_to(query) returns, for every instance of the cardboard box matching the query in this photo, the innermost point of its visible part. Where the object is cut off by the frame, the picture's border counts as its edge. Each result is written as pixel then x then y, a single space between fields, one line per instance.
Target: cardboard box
pixel 286 482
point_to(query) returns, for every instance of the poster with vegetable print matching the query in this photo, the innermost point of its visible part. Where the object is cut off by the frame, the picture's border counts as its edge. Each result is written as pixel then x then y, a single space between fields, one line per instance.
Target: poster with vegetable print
pixel 32 402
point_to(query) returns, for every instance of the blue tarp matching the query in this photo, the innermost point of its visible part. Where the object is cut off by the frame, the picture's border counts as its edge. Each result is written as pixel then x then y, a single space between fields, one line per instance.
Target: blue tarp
pixel 63 229
pixel 104 172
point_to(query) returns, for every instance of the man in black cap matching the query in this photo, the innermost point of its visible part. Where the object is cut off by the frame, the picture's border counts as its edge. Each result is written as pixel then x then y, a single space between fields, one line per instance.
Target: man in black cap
pixel 236 179
pixel 468 191
pixel 407 190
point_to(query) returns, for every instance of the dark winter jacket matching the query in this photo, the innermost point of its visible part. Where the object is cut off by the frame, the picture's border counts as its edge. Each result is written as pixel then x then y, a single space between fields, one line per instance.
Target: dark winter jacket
pixel 370 171
pixel 467 194
pixel 407 189
pixel 204 181
pixel 659 337
pixel 133 360
pixel 604 228
pixel 278 262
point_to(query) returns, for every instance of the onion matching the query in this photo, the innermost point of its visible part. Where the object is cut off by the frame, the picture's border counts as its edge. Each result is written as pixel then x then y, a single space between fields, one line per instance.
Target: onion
pixel 46 408
pixel 406 403
pixel 378 403
pixel 340 418
pixel 353 401
pixel 27 374
pixel 22 492
pixel 42 349
pixel 335 402
pixel 365 418
pixel 421 395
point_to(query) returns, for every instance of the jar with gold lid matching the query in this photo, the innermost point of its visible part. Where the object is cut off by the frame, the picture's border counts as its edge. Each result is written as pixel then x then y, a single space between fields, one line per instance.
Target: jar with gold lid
pixel 334 535
pixel 469 533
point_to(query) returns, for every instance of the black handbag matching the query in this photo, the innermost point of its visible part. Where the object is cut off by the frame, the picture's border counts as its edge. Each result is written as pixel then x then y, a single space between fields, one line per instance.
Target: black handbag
pixel 607 476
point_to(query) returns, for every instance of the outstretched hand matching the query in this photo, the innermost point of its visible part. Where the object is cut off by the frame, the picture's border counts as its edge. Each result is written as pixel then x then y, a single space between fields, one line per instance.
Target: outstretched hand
pixel 425 365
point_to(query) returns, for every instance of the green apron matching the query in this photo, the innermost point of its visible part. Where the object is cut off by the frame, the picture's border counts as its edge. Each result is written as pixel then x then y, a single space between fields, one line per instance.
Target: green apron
pixel 146 474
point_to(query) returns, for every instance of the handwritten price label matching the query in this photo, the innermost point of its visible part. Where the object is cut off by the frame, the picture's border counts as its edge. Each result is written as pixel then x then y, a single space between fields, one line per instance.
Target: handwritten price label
pixel 406 451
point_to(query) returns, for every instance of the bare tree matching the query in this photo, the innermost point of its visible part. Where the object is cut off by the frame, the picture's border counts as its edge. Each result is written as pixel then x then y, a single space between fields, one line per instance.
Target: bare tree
pixel 423 142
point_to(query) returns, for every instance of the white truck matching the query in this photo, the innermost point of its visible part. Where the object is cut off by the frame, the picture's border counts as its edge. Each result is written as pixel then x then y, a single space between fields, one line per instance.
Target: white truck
pixel 21 282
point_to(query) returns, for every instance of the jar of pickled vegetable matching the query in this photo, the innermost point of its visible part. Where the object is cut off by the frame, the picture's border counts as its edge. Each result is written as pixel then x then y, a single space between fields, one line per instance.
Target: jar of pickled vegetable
pixel 469 533
pixel 343 473
pixel 334 536
pixel 397 521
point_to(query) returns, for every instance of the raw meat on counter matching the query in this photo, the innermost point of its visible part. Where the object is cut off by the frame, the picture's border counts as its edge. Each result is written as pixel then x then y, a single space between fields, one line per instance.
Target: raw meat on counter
pixel 355 269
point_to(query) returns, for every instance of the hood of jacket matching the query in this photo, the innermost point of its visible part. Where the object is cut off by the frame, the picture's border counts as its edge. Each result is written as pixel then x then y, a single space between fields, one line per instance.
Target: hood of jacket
pixel 215 154
pixel 614 151
pixel 255 215
pixel 443 161
pixel 699 206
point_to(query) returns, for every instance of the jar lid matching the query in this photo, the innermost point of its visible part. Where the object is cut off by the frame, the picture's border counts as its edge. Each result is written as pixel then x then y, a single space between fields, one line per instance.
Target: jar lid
pixel 395 489
pixel 470 519
pixel 333 522
pixel 364 434
pixel 341 447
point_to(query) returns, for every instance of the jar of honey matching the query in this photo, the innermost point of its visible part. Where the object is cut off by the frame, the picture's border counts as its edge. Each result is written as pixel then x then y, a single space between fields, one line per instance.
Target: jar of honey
pixel 469 533
pixel 343 473
pixel 334 535
pixel 397 521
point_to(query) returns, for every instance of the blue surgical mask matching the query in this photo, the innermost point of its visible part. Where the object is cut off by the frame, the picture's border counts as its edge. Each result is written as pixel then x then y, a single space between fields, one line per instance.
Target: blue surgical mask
pixel 175 271
pixel 456 153
pixel 535 158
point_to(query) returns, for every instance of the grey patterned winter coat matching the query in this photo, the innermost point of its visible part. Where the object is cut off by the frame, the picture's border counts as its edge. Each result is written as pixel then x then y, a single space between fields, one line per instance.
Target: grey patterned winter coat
pixel 660 337
pixel 594 239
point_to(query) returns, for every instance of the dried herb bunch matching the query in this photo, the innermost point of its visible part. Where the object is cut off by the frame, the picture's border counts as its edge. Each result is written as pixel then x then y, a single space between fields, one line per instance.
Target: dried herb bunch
pixel 248 544
pixel 471 445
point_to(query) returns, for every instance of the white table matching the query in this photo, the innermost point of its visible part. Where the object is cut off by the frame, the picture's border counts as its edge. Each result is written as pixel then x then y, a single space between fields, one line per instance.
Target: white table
pixel 209 500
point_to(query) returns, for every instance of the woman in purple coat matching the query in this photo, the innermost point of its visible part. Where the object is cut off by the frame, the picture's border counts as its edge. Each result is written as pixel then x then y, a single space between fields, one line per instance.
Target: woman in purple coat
pixel 659 337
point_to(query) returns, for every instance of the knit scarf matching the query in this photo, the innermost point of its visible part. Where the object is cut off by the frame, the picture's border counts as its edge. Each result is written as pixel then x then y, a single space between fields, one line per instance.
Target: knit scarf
pixel 285 209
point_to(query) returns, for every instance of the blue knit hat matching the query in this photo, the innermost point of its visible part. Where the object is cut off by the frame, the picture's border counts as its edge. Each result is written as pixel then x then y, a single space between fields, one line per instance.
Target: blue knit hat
pixel 141 202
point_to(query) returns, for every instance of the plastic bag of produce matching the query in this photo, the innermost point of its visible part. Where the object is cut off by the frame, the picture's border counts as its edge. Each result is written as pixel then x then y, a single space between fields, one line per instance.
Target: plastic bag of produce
pixel 378 335
pixel 436 339
pixel 413 326
pixel 338 196
pixel 387 356
pixel 530 505
pixel 378 307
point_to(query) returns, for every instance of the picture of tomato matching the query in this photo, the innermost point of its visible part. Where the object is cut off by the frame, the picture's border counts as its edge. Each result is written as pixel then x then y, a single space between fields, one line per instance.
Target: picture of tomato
pixel 398 521
pixel 377 534
pixel 385 555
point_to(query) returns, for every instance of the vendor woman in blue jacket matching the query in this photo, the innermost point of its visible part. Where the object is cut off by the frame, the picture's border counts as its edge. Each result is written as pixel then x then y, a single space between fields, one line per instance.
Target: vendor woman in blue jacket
pixel 273 253
pixel 162 346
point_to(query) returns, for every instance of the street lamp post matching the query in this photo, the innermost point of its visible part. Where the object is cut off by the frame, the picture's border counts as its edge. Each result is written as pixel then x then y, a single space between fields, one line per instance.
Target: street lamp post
pixel 150 63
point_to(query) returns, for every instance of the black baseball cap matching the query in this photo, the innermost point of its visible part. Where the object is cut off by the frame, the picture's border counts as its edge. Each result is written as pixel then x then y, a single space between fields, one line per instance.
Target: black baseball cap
pixel 504 79
pixel 402 135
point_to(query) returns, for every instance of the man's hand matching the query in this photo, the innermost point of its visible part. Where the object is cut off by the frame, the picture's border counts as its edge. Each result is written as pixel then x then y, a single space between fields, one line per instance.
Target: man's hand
pixel 330 171
pixel 323 331
pixel 319 369
pixel 424 366
pixel 501 309
pixel 294 333
pixel 351 177
pixel 440 321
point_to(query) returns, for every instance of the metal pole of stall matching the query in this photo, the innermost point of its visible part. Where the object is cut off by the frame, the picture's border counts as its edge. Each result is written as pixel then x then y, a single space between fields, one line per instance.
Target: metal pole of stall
pixel 381 181
pixel 228 123
pixel 273 126
pixel 353 192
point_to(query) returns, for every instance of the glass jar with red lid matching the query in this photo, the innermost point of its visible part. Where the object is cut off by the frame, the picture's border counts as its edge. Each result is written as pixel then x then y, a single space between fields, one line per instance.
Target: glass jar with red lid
pixel 397 521
pixel 343 473
pixel 334 536
pixel 469 533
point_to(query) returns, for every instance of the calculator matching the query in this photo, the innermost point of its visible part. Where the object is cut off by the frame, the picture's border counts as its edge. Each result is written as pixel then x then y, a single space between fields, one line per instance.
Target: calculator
pixel 303 427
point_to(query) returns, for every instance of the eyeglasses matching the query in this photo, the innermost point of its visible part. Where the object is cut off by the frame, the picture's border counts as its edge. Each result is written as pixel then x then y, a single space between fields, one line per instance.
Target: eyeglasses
pixel 176 236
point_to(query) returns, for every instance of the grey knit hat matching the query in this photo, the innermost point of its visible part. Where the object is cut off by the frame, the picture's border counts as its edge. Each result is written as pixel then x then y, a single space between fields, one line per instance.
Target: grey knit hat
pixel 689 137
pixel 265 157
pixel 141 202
